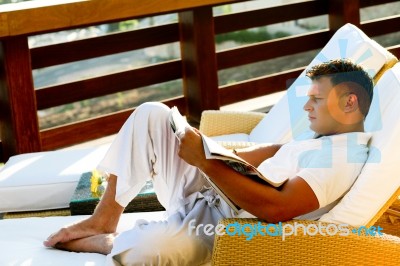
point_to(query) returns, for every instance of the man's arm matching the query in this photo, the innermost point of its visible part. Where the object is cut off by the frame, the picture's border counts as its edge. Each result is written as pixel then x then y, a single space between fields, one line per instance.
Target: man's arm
pixel 294 198
pixel 256 154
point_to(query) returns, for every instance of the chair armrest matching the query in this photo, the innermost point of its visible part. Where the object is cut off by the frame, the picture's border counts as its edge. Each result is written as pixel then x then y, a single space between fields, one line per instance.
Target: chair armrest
pixel 335 249
pixel 391 60
pixel 390 220
pixel 216 123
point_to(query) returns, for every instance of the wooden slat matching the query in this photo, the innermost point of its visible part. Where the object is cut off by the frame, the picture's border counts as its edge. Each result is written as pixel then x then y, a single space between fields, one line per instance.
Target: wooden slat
pixel 18 120
pixel 381 26
pixel 82 131
pixel 36 17
pixel 100 86
pixel 267 16
pixel 272 49
pixel 368 3
pixel 94 128
pixel 395 50
pixel 257 87
pixel 105 45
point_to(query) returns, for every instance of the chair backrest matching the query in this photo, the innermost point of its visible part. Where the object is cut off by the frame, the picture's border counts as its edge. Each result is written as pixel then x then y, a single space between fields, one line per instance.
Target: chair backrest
pixel 379 181
pixel 287 115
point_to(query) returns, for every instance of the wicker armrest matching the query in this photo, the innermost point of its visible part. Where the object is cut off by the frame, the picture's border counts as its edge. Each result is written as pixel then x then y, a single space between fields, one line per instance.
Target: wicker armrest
pixel 216 123
pixel 300 249
pixel 390 220
pixel 391 60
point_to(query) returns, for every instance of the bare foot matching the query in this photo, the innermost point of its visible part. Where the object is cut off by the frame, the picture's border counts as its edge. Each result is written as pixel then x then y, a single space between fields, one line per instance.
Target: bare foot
pixel 94 244
pixel 82 229
pixel 103 221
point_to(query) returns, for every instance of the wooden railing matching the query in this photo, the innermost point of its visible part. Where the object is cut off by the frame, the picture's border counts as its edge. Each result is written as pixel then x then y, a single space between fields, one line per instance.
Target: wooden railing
pixel 198 66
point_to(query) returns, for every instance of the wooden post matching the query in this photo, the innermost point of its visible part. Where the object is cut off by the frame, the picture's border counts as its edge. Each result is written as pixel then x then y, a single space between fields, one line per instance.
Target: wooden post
pixel 342 12
pixel 199 61
pixel 19 127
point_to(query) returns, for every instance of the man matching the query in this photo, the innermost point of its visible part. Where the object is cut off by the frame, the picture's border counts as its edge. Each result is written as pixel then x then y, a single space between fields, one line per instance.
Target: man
pixel 320 171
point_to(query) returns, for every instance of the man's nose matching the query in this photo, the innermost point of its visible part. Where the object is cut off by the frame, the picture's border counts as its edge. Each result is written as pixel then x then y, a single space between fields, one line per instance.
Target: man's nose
pixel 307 106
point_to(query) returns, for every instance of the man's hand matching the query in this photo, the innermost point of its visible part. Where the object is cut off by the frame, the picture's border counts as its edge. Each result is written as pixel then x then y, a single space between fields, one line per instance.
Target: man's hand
pixel 191 147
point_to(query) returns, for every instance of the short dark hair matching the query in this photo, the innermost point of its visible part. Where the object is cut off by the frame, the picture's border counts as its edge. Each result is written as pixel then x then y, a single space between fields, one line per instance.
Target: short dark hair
pixel 345 71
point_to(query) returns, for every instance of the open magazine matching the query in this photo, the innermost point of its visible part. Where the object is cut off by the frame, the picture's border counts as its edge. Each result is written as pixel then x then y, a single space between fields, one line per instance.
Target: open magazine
pixel 213 150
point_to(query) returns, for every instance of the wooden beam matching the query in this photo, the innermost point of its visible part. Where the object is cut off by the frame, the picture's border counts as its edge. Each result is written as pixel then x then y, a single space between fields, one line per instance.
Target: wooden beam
pixel 342 12
pixel 199 63
pixel 19 122
pixel 36 17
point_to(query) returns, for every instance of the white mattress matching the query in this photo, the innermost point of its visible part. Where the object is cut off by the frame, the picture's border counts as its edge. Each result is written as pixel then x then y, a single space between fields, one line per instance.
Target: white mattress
pixel 21 241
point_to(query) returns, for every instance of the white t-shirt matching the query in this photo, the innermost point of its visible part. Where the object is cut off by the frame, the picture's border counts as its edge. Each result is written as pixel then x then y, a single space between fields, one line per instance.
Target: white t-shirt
pixel 329 164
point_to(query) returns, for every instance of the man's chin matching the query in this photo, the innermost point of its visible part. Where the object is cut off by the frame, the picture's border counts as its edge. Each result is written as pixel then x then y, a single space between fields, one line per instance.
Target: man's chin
pixel 316 131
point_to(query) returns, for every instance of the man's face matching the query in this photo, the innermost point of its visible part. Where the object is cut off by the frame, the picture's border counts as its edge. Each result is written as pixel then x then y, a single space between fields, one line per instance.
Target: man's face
pixel 324 107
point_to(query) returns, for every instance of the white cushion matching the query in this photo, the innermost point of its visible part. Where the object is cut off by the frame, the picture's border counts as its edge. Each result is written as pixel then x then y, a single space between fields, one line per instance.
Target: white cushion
pixel 287 117
pixel 380 177
pixel 21 240
pixel 44 180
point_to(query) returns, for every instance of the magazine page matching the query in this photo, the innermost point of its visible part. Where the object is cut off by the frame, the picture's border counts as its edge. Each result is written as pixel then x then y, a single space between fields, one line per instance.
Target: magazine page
pixel 177 121
pixel 215 151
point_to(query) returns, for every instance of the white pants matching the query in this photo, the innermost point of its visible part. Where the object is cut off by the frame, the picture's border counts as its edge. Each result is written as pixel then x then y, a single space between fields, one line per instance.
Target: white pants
pixel 146 148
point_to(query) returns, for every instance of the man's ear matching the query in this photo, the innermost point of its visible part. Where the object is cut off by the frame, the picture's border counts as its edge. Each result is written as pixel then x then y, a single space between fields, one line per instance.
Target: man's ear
pixel 351 103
